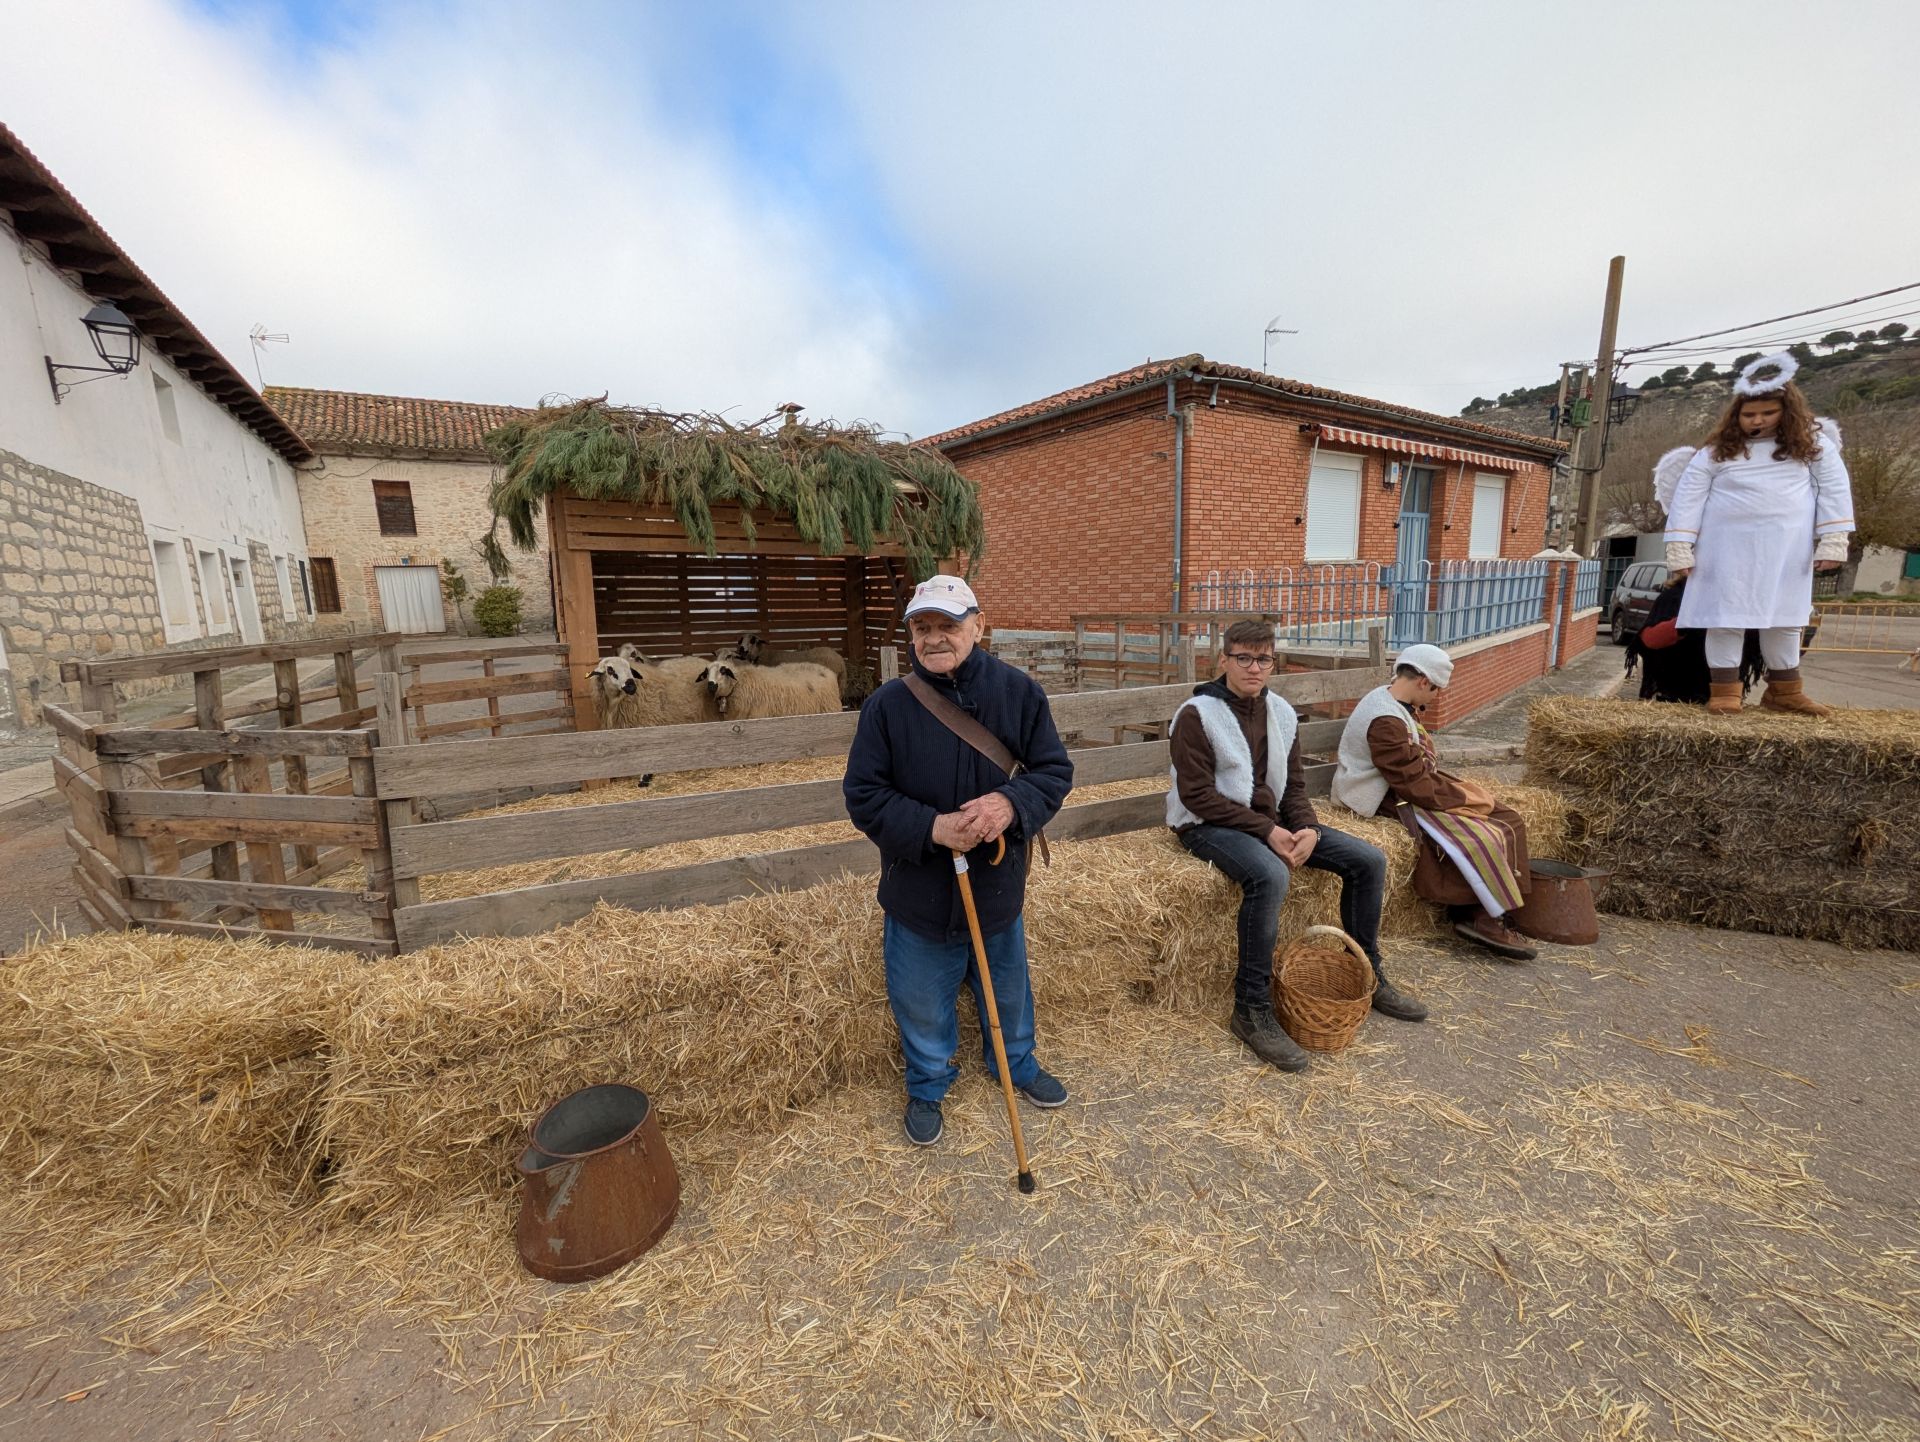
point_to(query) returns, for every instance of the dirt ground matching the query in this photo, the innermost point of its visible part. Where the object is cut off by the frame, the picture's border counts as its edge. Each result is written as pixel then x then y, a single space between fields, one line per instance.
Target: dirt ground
pixel 1661 1187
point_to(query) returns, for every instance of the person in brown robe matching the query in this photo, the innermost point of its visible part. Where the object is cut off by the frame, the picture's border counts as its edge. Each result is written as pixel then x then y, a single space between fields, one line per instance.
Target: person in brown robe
pixel 1481 830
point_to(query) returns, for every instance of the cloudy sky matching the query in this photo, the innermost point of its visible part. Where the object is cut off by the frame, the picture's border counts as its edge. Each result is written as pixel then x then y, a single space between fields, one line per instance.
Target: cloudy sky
pixel 920 214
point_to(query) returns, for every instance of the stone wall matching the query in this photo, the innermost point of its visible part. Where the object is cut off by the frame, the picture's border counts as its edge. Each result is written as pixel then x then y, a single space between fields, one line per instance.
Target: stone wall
pixel 76 579
pixel 451 514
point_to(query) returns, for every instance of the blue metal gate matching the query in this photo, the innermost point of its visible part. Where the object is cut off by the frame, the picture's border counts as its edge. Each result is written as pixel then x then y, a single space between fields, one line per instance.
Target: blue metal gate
pixel 1408 576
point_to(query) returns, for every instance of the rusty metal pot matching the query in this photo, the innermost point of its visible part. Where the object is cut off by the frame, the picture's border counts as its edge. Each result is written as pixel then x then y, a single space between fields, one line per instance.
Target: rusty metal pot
pixel 600 1186
pixel 1560 906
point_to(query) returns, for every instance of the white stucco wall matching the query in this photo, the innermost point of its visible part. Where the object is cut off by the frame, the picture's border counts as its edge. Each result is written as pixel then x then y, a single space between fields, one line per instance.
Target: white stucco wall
pixel 217 488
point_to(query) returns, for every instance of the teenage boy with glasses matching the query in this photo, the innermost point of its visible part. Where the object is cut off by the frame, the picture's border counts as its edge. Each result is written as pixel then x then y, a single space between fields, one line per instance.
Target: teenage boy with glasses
pixel 1239 801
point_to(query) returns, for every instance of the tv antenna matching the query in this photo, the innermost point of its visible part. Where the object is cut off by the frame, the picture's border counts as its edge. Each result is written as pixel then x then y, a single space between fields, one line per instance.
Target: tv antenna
pixel 1273 329
pixel 261 339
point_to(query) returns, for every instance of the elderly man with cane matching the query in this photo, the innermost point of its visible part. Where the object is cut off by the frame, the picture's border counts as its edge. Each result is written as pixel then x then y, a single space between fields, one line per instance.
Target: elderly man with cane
pixel 955 771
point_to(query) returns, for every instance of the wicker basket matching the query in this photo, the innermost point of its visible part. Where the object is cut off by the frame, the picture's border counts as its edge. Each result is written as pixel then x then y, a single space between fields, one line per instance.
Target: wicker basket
pixel 1322 996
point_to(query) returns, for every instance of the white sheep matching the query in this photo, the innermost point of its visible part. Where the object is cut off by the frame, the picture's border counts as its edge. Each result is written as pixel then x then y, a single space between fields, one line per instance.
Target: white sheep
pixel 758 651
pixel 799 688
pixel 665 693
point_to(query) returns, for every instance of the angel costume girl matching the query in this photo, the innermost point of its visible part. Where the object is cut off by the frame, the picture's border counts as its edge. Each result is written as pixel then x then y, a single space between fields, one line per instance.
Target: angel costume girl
pixel 1750 528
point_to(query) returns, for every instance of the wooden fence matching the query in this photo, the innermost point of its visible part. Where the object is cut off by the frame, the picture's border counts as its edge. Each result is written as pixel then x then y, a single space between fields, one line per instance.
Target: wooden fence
pixel 1156 648
pixel 236 856
pixel 228 817
pixel 407 774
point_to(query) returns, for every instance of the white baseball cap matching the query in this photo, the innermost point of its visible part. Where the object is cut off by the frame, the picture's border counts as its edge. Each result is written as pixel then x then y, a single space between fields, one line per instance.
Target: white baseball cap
pixel 1430 661
pixel 948 595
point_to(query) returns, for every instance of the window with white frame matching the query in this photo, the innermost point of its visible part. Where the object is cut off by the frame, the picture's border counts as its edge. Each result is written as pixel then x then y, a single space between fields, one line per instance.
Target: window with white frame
pixel 1333 508
pixel 1489 515
pixel 170 574
pixel 286 587
pixel 213 590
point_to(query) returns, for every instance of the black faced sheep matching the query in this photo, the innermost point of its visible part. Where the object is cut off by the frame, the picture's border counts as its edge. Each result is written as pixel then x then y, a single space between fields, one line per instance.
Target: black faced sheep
pixel 797 689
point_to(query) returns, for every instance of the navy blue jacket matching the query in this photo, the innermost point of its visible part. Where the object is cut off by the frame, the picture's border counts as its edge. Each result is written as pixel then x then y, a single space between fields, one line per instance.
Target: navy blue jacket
pixel 905 768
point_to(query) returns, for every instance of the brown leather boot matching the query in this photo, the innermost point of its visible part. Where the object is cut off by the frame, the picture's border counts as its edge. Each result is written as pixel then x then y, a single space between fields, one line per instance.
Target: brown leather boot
pixel 1725 700
pixel 1786 692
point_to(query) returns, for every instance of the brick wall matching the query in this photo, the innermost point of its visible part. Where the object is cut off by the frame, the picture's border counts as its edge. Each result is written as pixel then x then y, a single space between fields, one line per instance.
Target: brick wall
pixel 1483 674
pixel 1523 529
pixel 1079 515
pixel 1078 519
pixel 450 516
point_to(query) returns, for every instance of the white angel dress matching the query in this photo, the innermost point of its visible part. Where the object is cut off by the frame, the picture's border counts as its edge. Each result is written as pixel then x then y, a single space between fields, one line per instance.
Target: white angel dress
pixel 1751 529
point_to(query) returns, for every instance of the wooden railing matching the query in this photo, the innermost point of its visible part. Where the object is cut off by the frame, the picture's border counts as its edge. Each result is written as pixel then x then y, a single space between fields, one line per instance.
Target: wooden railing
pixel 406 774
pixel 136 847
pixel 492 684
pixel 216 860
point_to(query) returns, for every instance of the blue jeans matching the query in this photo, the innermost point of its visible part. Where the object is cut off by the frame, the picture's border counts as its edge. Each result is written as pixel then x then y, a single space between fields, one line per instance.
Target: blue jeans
pixel 923 988
pixel 1263 879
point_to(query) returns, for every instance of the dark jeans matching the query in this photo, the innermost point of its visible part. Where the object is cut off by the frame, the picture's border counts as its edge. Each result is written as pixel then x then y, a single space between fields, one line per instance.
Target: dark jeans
pixel 923 987
pixel 1263 879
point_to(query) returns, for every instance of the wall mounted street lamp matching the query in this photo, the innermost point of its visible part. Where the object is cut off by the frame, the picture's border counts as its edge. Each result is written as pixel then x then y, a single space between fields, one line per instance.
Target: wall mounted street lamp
pixel 115 341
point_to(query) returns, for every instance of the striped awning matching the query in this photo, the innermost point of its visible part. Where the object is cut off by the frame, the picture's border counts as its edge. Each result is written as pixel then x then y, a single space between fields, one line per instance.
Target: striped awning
pixel 1430 450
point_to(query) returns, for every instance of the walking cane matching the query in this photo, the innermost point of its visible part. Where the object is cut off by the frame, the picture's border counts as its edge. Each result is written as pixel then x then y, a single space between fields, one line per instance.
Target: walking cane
pixel 993 1010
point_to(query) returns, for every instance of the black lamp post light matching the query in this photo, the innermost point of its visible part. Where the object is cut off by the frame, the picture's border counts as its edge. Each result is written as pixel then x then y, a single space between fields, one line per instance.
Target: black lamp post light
pixel 115 340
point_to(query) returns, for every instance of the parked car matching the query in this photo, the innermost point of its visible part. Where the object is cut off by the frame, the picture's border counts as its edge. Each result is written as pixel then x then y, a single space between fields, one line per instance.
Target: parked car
pixel 1633 598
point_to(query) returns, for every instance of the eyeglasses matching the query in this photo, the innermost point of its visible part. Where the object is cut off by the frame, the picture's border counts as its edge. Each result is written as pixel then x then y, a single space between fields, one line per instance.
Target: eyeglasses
pixel 1251 662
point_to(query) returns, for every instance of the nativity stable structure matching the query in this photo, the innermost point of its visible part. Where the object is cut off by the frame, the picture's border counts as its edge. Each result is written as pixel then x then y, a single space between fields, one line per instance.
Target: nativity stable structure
pixel 681 532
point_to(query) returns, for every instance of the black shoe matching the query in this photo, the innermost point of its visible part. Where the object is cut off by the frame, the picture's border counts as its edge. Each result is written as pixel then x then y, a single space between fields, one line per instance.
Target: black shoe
pixel 1045 1090
pixel 923 1122
pixel 1260 1029
pixel 1389 1000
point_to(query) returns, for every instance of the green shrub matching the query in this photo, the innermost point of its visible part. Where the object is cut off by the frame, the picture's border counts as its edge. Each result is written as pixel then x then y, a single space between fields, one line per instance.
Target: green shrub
pixel 498 610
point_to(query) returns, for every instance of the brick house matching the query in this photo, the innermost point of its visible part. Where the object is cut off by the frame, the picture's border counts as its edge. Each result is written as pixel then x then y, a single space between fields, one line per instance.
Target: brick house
pixel 397 486
pixel 1123 495
pixel 140 508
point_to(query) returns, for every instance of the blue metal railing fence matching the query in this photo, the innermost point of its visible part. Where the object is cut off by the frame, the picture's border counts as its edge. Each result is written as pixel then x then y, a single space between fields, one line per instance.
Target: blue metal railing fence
pixel 1444 602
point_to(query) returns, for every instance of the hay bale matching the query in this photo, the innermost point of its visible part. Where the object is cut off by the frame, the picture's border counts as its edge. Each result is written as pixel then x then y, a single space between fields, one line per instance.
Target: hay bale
pixel 413 1079
pixel 171 1071
pixel 1760 822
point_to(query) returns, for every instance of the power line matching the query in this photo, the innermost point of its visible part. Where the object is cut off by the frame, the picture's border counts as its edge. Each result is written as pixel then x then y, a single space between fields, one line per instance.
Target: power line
pixel 1776 341
pixel 1773 320
pixel 1825 327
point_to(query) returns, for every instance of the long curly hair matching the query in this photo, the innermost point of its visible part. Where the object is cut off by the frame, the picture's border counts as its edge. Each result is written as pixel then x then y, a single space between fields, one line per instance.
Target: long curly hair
pixel 1794 440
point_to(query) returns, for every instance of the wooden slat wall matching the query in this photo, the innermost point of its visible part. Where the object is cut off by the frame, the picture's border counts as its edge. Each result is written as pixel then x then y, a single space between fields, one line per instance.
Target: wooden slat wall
pixel 677 604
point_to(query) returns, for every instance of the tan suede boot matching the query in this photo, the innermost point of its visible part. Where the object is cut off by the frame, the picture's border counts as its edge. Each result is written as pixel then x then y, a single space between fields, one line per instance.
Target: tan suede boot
pixel 1788 693
pixel 1725 700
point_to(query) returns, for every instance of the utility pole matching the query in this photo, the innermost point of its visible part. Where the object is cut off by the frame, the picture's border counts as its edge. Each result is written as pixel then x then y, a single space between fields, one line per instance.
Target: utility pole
pixel 1589 443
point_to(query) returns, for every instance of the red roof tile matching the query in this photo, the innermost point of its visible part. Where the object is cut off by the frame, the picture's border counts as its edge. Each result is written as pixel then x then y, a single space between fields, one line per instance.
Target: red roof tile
pixel 1153 372
pixel 350 420
pixel 43 211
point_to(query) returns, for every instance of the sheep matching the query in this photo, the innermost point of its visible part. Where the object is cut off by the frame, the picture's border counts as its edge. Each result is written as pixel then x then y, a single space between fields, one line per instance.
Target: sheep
pixel 796 689
pixel 663 693
pixel 755 649
pixel 675 666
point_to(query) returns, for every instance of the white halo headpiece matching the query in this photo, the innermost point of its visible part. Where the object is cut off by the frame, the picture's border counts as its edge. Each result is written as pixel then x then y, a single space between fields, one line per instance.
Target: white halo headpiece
pixel 1767 376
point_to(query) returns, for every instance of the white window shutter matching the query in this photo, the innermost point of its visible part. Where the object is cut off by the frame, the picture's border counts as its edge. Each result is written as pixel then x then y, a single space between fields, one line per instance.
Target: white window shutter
pixel 1489 514
pixel 1333 508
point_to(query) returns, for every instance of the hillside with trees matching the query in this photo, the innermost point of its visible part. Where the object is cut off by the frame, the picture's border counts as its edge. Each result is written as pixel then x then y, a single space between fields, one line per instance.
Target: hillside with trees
pixel 1869 382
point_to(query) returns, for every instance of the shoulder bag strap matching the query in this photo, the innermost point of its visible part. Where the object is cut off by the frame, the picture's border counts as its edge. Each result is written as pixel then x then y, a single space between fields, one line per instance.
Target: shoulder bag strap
pixel 974 734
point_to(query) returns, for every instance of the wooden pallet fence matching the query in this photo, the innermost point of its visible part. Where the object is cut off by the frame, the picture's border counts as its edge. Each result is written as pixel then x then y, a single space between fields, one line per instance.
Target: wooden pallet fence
pixel 131 840
pixel 407 774
pixel 533 670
